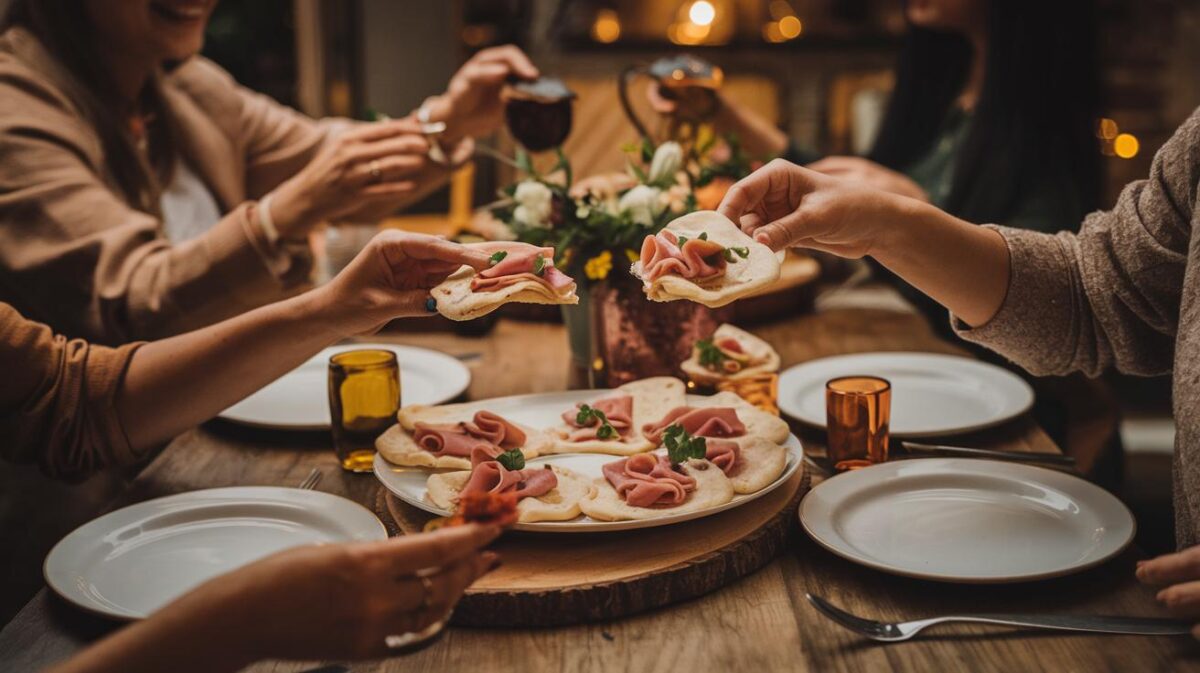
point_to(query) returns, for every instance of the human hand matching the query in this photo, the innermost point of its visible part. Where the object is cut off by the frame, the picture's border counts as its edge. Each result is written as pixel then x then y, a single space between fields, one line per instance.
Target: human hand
pixel 871 174
pixel 471 106
pixel 339 601
pixel 1179 574
pixel 371 167
pixel 391 278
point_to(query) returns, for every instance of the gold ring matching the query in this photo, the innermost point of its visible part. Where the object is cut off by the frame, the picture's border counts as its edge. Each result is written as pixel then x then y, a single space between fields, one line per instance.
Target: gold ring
pixel 427 585
pixel 376 172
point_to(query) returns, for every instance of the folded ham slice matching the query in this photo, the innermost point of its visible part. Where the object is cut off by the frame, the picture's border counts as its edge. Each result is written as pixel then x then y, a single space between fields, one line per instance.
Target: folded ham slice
pixel 517 266
pixel 697 260
pixel 617 408
pixel 486 432
pixel 697 421
pixel 648 480
pixel 724 454
pixel 492 477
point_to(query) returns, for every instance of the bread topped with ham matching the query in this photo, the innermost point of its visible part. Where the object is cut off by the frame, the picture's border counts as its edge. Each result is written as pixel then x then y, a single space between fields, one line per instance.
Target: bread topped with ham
pixel 648 485
pixel 448 436
pixel 520 272
pixel 730 354
pixel 543 493
pixel 625 410
pixel 705 258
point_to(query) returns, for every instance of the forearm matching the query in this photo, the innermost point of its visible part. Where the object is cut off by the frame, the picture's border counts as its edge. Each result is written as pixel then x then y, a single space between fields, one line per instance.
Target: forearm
pixel 962 266
pixel 178 382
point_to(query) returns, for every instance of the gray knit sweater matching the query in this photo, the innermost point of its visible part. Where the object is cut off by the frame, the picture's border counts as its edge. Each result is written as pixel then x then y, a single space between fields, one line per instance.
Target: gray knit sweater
pixel 1125 293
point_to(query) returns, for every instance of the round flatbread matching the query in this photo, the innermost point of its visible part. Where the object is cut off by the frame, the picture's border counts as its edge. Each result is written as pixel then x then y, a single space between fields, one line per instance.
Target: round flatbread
pixel 759 465
pixel 399 448
pixel 713 488
pixel 652 399
pixel 457 301
pixel 758 422
pixel 759 351
pixel 561 503
pixel 741 278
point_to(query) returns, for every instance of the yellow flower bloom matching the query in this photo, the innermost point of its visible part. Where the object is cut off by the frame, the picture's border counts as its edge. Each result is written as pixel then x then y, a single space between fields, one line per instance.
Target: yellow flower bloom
pixel 633 255
pixel 597 268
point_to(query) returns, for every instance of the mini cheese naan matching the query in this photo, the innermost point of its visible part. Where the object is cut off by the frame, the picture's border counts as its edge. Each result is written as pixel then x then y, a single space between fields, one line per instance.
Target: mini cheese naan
pixel 713 488
pixel 399 448
pixel 457 301
pixel 758 422
pixel 652 399
pixel 741 278
pixel 759 351
pixel 561 503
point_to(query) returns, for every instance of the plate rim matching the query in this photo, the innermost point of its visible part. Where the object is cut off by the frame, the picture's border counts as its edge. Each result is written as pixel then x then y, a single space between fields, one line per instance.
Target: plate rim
pixel 787 376
pixel 304 427
pixel 854 557
pixel 795 455
pixel 101 611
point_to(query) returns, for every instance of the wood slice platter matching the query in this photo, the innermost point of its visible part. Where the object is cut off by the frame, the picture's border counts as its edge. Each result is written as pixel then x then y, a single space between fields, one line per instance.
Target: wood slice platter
pixel 556 580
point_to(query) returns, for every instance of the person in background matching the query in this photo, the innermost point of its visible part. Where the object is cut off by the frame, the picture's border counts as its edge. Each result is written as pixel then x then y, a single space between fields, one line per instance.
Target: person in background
pixel 1123 293
pixel 75 408
pixel 144 193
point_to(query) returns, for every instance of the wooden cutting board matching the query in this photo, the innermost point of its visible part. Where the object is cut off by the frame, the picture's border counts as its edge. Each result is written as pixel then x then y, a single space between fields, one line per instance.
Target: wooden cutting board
pixel 549 579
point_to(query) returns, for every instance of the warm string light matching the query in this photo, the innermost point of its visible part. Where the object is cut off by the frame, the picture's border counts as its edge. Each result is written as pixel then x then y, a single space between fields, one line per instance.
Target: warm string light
pixel 701 22
pixel 1115 143
pixel 784 24
pixel 607 26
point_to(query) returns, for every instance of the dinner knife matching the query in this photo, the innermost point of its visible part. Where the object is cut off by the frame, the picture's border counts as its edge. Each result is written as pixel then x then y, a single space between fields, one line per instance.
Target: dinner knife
pixel 966 452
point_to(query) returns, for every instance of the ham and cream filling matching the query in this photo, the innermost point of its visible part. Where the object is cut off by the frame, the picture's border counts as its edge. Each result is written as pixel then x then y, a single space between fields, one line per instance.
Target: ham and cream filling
pixel 518 265
pixel 486 434
pixel 714 424
pixel 697 260
pixel 492 477
pixel 648 480
pixel 618 409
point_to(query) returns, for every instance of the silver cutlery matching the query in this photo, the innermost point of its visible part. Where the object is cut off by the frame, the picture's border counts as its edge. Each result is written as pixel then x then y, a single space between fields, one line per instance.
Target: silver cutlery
pixel 894 632
pixel 967 452
pixel 310 482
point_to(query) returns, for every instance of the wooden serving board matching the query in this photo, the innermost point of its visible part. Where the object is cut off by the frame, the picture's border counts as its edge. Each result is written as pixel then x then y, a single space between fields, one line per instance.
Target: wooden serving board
pixel 548 579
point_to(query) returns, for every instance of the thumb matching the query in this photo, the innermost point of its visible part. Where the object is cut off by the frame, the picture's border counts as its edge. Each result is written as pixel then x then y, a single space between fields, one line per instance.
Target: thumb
pixel 781 233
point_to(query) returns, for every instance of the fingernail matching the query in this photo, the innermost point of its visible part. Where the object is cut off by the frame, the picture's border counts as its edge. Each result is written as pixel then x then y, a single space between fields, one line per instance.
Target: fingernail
pixel 431 304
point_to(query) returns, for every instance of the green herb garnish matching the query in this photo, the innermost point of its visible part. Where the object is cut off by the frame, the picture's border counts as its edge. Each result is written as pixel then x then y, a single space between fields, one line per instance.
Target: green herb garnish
pixel 681 446
pixel 681 241
pixel 539 265
pixel 710 355
pixel 729 252
pixel 587 414
pixel 512 459
pixel 704 236
pixel 497 257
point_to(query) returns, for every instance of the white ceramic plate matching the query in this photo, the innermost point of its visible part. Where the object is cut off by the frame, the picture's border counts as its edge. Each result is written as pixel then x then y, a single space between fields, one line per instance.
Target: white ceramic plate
pixel 130 562
pixel 542 411
pixel 932 394
pixel 299 400
pixel 967 520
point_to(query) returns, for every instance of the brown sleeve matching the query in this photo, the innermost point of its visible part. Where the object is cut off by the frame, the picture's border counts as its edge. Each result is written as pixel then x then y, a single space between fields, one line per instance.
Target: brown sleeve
pixel 76 256
pixel 1110 295
pixel 57 400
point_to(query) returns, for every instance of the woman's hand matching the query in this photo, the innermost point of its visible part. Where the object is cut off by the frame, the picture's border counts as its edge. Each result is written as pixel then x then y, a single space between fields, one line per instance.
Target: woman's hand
pixel 391 278
pixel 471 106
pixel 871 174
pixel 1179 574
pixel 373 167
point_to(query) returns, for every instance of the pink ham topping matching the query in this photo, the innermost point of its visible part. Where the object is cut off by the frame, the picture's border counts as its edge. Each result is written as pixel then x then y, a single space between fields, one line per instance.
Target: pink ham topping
pixel 730 345
pixel 724 454
pixel 648 480
pixel 618 409
pixel 486 432
pixel 697 260
pixel 702 422
pixel 492 477
pixel 517 266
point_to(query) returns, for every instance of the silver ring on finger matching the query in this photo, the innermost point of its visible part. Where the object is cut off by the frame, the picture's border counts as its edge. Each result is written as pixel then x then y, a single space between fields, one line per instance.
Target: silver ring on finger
pixel 375 171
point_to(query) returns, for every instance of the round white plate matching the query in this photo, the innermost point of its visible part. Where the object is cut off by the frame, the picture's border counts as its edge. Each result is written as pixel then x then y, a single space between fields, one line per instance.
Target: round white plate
pixel 967 520
pixel 299 400
pixel 542 411
pixel 932 394
pixel 130 562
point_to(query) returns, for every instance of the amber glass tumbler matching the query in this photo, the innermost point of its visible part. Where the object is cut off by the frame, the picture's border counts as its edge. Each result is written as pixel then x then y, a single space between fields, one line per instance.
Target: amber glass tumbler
pixel 857 412
pixel 364 396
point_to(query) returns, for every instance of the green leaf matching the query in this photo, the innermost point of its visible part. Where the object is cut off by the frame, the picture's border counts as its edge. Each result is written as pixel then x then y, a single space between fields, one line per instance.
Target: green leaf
pixel 682 240
pixel 497 257
pixel 704 236
pixel 681 446
pixel 539 265
pixel 512 459
pixel 606 431
pixel 742 252
pixel 524 162
pixel 710 356
pixel 587 414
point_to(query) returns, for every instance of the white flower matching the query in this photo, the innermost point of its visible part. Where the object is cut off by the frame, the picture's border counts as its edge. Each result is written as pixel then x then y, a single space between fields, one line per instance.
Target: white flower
pixel 534 201
pixel 665 164
pixel 642 204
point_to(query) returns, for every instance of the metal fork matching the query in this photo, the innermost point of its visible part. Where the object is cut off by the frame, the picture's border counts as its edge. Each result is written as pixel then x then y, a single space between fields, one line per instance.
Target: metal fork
pixel 310 482
pixel 895 632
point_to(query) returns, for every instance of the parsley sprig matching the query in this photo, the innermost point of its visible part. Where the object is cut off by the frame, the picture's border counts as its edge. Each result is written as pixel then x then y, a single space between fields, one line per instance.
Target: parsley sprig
pixel 539 265
pixel 513 459
pixel 710 356
pixel 681 446
pixel 497 257
pixel 587 414
pixel 741 252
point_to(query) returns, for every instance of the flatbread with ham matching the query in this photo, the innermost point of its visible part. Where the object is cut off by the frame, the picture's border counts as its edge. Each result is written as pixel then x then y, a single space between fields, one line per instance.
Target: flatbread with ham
pixel 558 503
pixel 705 258
pixel 704 485
pixel 751 463
pixel 628 408
pixel 758 422
pixel 742 355
pixel 516 277
pixel 444 437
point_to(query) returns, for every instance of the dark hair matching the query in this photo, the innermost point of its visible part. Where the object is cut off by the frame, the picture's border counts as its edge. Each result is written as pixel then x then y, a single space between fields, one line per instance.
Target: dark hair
pixel 1035 115
pixel 62 27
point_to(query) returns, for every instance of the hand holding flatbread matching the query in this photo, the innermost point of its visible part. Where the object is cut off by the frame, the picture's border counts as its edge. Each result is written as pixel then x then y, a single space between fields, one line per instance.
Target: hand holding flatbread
pixel 520 272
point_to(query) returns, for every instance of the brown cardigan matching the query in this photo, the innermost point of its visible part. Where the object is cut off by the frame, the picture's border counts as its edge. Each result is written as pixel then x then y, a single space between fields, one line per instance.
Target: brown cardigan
pixel 75 255
pixel 1124 292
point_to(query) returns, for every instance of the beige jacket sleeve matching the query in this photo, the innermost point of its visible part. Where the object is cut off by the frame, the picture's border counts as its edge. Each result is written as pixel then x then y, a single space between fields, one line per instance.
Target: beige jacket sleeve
pixel 1109 296
pixel 76 256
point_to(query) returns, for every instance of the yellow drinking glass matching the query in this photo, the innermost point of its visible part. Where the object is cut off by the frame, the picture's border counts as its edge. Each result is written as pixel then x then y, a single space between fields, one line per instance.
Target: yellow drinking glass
pixel 858 411
pixel 364 396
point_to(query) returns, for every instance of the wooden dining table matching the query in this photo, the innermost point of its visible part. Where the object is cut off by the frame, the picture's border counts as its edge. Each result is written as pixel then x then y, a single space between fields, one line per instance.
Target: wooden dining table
pixel 759 623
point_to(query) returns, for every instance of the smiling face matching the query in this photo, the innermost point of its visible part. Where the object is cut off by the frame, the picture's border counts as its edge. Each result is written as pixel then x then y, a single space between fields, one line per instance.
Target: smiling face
pixel 959 16
pixel 158 30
